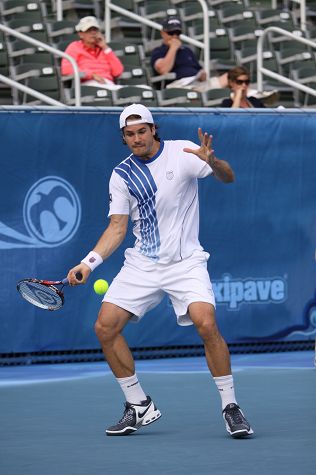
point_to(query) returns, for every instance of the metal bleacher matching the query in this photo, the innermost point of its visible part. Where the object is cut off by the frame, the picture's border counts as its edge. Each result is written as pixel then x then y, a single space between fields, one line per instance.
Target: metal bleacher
pixel 234 30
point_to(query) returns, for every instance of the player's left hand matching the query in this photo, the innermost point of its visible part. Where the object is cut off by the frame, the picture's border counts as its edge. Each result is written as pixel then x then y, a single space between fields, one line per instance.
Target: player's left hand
pixel 205 152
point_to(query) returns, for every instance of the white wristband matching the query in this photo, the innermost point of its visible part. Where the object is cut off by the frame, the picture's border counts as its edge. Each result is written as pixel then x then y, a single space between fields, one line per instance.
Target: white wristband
pixel 92 260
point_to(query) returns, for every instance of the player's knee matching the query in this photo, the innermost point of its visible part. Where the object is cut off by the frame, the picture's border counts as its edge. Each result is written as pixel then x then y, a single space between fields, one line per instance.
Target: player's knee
pixel 104 331
pixel 106 328
pixel 208 330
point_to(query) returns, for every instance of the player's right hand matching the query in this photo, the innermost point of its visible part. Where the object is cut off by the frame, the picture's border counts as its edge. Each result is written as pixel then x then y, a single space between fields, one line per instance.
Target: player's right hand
pixel 81 268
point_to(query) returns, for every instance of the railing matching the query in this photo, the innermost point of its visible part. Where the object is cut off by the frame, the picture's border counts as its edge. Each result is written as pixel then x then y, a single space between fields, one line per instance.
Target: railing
pixel 302 4
pixel 205 45
pixel 52 50
pixel 59 10
pixel 32 92
pixel 263 71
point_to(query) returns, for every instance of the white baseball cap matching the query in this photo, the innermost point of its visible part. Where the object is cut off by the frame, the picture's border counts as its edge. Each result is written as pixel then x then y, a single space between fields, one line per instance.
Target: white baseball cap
pixel 87 22
pixel 136 109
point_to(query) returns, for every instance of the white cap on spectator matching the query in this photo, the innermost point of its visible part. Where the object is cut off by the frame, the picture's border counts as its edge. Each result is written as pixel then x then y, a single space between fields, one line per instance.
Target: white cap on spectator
pixel 87 22
pixel 136 109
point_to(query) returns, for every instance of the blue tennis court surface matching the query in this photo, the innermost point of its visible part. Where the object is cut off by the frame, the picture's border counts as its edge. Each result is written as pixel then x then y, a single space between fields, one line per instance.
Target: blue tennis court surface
pixel 54 416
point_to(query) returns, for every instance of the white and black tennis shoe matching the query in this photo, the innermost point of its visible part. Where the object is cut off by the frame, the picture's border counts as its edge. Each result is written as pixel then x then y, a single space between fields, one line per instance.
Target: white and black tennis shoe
pixel 236 423
pixel 134 417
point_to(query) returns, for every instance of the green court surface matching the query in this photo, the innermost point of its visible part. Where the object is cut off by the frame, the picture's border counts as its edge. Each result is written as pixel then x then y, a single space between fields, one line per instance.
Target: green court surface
pixel 53 420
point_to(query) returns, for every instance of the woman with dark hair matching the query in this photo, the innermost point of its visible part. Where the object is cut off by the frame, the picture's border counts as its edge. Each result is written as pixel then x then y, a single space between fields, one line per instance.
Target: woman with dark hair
pixel 238 82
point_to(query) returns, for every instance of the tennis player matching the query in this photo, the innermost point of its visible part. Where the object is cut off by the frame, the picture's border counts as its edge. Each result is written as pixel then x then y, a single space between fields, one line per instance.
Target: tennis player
pixel 157 186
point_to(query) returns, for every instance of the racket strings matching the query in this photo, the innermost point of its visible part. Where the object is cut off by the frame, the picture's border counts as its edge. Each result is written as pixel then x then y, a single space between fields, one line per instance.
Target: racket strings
pixel 41 295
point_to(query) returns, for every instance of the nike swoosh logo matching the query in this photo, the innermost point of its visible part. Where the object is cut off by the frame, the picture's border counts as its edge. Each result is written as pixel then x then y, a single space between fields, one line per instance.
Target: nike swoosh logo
pixel 141 414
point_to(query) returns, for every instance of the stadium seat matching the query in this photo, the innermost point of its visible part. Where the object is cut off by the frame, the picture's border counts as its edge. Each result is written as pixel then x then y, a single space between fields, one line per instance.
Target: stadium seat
pixel 91 96
pixel 191 13
pixel 161 81
pixel 133 76
pixel 63 30
pixel 21 52
pixel 31 28
pixel 21 72
pixel 123 27
pixel 247 56
pixel 46 85
pixel 292 51
pixel 33 10
pixel 86 8
pixel 129 54
pixel 230 13
pixel 133 94
pixel 4 58
pixel 241 32
pixel 5 90
pixel 157 10
pixel 178 97
pixel 218 3
pixel 271 16
pixel 214 97
pixel 305 75
pixel 196 30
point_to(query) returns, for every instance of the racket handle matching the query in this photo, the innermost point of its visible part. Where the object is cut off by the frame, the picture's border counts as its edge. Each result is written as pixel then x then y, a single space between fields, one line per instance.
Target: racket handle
pixel 78 277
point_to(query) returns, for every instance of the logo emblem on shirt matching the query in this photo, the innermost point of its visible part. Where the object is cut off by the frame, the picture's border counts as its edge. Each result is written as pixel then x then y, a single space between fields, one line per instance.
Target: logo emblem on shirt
pixel 169 175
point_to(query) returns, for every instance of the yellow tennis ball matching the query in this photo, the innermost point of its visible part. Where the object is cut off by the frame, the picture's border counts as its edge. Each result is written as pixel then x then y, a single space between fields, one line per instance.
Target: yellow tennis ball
pixel 100 286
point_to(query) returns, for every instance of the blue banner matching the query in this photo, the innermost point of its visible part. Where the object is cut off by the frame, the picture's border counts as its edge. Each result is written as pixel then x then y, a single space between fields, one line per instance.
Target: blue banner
pixel 260 230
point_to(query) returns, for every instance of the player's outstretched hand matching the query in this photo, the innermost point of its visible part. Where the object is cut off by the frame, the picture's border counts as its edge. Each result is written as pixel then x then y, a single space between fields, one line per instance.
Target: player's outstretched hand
pixel 205 152
pixel 80 268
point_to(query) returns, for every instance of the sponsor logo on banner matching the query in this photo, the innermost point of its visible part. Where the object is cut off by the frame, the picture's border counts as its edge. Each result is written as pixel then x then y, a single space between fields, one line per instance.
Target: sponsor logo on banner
pixel 51 215
pixel 234 292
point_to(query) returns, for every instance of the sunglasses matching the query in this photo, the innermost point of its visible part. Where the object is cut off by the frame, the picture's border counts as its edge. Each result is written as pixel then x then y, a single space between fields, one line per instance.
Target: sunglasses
pixel 174 32
pixel 242 81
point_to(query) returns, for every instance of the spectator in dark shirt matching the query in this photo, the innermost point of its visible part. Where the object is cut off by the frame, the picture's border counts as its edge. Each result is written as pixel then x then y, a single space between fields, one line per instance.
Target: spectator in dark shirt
pixel 238 82
pixel 173 56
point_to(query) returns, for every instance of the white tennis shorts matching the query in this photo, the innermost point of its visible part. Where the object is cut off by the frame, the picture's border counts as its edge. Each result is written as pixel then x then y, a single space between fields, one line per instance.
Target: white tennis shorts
pixel 139 287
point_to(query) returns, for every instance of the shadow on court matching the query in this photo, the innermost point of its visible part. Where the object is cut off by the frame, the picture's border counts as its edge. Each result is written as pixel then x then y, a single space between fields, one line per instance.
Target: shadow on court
pixel 58 427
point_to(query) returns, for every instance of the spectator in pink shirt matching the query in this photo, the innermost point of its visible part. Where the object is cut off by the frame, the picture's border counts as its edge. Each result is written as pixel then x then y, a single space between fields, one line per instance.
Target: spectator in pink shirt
pixel 99 65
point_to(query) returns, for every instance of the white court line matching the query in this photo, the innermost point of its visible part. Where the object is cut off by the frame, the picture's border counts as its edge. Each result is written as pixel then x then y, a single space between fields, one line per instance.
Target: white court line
pixel 96 374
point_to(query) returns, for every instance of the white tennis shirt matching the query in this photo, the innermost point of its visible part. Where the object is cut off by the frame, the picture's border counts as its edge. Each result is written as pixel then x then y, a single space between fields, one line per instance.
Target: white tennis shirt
pixel 161 197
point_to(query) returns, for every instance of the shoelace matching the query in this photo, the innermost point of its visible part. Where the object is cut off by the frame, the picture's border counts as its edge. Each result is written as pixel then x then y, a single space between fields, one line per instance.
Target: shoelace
pixel 128 414
pixel 235 415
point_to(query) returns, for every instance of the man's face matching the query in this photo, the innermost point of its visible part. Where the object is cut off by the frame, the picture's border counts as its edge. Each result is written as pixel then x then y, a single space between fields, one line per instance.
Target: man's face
pixel 140 140
pixel 168 36
pixel 90 37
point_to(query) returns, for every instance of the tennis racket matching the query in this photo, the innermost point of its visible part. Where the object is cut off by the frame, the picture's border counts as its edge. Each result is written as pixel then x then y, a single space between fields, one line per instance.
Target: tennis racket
pixel 46 294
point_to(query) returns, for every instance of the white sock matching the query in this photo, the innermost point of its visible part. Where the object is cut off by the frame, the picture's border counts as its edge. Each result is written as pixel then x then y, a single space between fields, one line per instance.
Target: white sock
pixel 225 386
pixel 132 389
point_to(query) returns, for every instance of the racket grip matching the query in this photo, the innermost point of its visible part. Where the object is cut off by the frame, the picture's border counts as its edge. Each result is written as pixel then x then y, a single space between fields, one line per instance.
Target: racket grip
pixel 78 277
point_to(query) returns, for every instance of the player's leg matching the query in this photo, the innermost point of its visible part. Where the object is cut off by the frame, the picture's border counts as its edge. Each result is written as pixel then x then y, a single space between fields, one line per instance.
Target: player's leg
pixel 217 355
pixel 121 303
pixel 108 327
pixel 139 408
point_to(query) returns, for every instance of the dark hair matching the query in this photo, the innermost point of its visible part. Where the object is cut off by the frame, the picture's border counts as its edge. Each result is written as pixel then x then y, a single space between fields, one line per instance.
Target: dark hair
pixel 135 117
pixel 234 73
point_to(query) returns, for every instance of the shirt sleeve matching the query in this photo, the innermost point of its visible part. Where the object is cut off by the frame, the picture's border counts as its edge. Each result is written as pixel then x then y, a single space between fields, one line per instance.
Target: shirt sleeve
pixel 66 67
pixel 119 195
pixel 115 64
pixel 157 54
pixel 192 166
pixel 227 103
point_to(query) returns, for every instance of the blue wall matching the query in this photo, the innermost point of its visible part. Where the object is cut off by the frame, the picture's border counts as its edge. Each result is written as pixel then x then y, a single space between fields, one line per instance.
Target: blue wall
pixel 261 230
